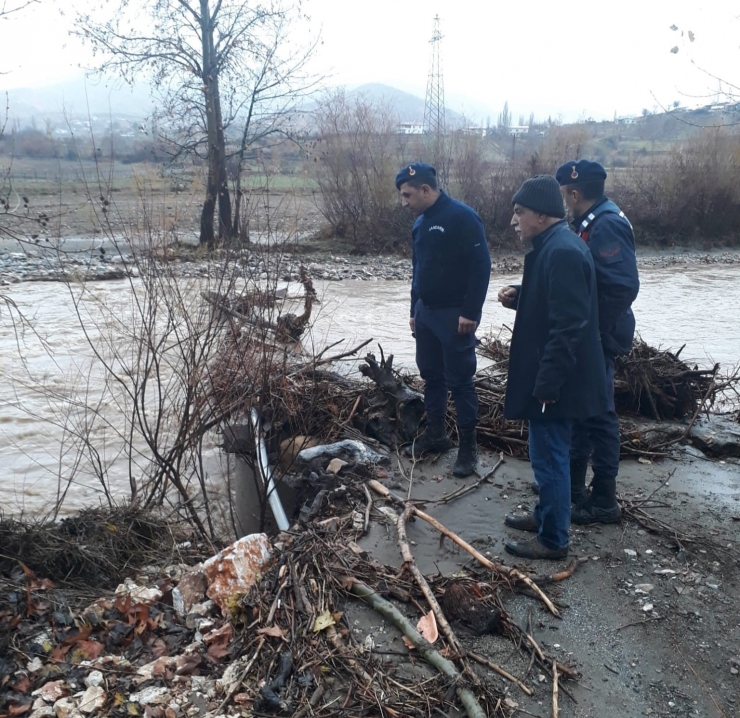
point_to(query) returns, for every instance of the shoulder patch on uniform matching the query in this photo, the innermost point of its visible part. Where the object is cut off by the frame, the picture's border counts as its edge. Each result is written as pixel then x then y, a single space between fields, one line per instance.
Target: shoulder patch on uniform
pixel 610 255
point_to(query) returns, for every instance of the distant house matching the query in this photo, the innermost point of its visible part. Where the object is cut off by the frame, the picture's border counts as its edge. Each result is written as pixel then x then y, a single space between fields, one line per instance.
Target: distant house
pixel 626 120
pixel 515 130
pixel 410 128
pixel 482 131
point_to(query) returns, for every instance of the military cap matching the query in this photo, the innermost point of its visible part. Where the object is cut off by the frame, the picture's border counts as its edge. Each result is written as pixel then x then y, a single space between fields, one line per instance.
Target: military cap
pixel 416 171
pixel 579 172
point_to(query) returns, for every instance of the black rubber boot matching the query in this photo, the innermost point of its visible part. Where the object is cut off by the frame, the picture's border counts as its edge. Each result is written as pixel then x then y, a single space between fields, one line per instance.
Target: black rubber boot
pixel 434 440
pixel 601 507
pixel 467 453
pixel 578 490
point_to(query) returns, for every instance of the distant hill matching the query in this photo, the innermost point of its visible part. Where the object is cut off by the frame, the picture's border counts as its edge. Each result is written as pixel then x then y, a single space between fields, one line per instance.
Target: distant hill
pixel 77 99
pixel 410 108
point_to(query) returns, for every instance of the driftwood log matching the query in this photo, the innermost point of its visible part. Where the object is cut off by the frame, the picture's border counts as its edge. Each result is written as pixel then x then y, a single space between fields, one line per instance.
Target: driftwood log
pixel 398 409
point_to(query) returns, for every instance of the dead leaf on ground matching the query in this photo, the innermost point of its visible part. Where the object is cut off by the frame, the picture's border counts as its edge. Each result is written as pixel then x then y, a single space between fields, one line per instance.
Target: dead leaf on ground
pixel 91 649
pixel 18 710
pixel 323 622
pixel 274 631
pixel 22 685
pixel 427 626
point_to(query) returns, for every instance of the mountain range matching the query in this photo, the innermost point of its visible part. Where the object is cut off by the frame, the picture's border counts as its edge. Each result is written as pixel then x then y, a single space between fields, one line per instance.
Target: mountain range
pixel 80 98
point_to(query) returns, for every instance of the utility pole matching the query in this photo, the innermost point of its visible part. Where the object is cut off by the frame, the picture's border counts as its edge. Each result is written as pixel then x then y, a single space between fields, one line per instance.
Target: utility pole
pixel 434 105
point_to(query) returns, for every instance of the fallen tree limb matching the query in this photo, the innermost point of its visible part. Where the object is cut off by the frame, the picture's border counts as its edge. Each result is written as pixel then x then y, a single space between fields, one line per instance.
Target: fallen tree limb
pixel 555 709
pixel 497 669
pixel 567 572
pixel 511 573
pixel 426 650
pixel 410 563
pixel 467 489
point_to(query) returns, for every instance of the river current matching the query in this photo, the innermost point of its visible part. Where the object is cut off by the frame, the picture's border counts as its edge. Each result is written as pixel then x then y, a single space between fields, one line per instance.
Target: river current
pixel 49 365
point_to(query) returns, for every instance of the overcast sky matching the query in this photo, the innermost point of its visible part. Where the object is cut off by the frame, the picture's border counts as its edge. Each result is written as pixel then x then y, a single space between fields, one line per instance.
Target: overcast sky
pixel 588 57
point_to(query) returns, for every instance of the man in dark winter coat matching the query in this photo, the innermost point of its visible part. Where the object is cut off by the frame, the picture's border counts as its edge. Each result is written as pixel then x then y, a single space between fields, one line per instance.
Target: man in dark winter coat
pixel 556 366
pixel 608 235
pixel 451 269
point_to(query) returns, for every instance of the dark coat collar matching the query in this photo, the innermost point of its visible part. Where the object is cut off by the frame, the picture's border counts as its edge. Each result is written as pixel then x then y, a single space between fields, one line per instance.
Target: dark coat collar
pixel 439 204
pixel 542 237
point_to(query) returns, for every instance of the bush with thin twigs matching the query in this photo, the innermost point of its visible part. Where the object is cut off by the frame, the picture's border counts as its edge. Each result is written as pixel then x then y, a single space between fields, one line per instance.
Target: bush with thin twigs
pixel 690 194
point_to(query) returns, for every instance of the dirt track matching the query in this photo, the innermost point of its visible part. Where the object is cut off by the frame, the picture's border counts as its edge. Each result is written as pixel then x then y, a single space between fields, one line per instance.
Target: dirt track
pixel 679 659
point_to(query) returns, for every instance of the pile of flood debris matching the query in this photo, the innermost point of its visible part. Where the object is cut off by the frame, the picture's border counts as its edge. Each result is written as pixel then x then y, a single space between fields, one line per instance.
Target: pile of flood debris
pixel 261 629
pixel 303 400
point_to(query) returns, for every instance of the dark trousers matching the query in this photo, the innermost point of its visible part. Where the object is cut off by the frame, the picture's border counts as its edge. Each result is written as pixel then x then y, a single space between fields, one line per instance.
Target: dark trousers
pixel 597 438
pixel 446 361
pixel 549 448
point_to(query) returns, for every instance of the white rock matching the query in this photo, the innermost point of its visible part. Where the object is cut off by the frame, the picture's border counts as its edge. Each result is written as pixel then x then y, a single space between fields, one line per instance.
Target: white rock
pixel 139 594
pixel 35 665
pixel 631 552
pixel 51 692
pixel 150 696
pixel 65 708
pixel 647 607
pixel 43 712
pixel 93 699
pixel 644 587
pixel 94 679
pixel 237 568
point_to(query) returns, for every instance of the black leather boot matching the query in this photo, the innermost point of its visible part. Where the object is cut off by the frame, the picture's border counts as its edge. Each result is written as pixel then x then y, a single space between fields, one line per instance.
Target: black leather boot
pixel 601 507
pixel 434 440
pixel 578 491
pixel 467 453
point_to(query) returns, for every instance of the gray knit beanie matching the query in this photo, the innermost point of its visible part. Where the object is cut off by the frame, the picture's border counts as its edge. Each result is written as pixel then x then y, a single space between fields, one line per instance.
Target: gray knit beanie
pixel 541 194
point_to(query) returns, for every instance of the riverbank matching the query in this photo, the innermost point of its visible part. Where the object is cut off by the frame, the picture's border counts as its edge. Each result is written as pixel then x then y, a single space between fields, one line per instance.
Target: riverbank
pixel 647 626
pixel 103 261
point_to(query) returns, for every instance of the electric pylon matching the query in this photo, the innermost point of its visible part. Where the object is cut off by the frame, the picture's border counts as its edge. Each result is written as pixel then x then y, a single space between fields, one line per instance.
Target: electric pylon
pixel 434 105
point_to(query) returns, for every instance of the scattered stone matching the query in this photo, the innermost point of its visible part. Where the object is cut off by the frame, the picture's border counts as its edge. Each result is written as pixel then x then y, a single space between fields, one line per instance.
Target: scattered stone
pixel 631 552
pixel 66 708
pixel 335 466
pixel 644 587
pixel 94 679
pixel 237 568
pixel 139 594
pixel 93 699
pixel 152 695
pixel 51 692
pixel 190 591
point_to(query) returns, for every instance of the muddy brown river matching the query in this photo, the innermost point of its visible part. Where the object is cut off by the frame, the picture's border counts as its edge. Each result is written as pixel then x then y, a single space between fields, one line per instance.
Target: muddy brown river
pixel 46 370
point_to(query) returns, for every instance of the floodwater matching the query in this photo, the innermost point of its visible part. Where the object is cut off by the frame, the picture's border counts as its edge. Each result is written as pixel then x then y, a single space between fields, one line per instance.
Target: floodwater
pixel 48 371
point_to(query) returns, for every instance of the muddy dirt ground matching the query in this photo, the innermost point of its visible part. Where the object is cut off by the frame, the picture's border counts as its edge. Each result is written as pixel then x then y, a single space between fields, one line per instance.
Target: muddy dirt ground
pixel 652 625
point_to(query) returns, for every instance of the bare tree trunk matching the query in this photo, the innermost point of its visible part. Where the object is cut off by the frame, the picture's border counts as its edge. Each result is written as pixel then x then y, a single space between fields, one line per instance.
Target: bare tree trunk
pixel 217 190
pixel 224 197
pixel 239 164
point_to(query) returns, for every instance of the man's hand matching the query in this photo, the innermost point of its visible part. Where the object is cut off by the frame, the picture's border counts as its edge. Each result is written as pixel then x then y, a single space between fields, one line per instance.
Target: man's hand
pixel 466 326
pixel 412 324
pixel 507 297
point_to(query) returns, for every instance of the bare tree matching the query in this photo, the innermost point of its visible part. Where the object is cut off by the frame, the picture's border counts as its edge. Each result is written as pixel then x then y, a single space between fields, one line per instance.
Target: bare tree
pixel 8 8
pixel 211 61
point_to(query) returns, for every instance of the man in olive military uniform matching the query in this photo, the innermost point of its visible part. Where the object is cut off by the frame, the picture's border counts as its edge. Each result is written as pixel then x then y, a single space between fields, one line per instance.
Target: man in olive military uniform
pixel 451 269
pixel 609 237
